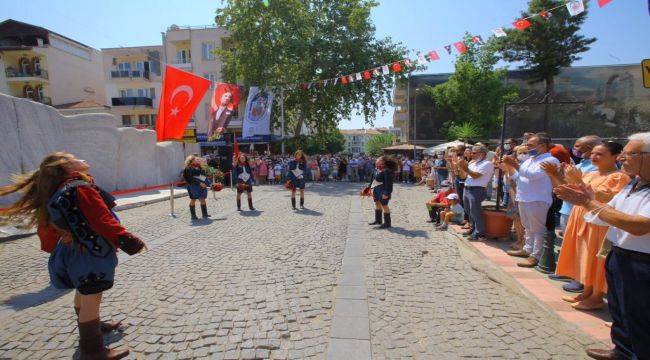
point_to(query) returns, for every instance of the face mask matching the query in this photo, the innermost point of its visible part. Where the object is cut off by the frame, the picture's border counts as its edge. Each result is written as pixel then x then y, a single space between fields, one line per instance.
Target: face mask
pixel 506 147
pixel 577 153
pixel 533 152
pixel 522 157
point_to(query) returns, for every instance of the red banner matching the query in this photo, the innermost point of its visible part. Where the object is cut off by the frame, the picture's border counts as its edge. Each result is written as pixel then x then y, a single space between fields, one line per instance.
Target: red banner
pixel 181 94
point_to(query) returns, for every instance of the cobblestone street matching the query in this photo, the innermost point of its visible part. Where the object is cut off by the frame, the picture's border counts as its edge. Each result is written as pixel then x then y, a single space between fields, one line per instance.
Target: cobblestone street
pixel 264 284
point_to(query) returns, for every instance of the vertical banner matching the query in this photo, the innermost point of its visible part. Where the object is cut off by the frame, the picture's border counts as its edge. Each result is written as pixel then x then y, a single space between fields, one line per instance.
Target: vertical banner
pixel 257 119
pixel 225 100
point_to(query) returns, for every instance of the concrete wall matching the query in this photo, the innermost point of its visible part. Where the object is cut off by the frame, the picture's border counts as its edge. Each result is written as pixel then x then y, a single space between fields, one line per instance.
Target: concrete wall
pixel 120 158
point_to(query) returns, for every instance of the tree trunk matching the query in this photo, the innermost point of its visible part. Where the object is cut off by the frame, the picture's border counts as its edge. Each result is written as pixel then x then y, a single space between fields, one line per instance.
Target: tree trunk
pixel 550 85
pixel 297 130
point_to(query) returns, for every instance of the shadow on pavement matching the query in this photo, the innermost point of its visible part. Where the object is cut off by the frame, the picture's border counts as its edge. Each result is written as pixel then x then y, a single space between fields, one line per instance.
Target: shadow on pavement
pixel 249 213
pixel 408 233
pixel 334 188
pixel 24 301
pixel 309 212
pixel 202 222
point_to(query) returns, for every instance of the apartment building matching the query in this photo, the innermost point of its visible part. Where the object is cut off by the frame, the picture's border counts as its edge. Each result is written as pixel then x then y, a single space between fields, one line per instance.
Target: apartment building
pixel 191 48
pixel 400 115
pixel 133 82
pixel 47 67
pixel 356 139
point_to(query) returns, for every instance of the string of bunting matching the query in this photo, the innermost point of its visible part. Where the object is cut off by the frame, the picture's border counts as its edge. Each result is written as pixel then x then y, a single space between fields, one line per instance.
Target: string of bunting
pixel 575 7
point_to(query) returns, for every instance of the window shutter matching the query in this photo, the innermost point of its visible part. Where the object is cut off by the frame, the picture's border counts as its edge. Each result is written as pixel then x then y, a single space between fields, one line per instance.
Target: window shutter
pixel 152 92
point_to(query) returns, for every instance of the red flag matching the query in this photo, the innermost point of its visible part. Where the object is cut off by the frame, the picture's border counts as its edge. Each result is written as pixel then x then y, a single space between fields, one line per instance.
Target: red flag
pixel 433 55
pixel 344 80
pixel 181 94
pixel 545 15
pixel 602 3
pixel 397 67
pixel 460 46
pixel 367 75
pixel 477 39
pixel 522 24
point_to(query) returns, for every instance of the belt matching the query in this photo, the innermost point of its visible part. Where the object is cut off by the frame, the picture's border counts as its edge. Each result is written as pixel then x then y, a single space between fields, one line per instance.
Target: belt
pixel 631 254
pixel 475 187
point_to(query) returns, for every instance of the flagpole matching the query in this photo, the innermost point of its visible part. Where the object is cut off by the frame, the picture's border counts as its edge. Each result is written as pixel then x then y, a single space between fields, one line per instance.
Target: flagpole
pixel 282 117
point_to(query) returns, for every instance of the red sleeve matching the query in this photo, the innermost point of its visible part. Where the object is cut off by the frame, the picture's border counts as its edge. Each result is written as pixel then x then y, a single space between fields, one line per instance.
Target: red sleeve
pixel 99 217
pixel 49 237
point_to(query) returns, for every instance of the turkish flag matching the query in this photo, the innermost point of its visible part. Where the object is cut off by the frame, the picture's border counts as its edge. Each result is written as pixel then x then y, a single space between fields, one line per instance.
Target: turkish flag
pixel 433 55
pixel 602 3
pixel 522 24
pixel 181 94
pixel 460 46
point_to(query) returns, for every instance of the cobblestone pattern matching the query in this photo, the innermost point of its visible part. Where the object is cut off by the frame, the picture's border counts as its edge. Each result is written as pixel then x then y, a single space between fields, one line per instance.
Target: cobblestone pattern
pixel 426 302
pixel 247 286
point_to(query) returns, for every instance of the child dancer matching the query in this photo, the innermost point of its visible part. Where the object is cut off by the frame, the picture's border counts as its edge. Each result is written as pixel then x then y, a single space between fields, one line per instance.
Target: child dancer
pixel 197 185
pixel 244 181
pixel 296 174
pixel 382 188
pixel 82 234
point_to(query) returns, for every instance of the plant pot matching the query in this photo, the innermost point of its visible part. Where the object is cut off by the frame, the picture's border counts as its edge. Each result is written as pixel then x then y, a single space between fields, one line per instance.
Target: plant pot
pixel 497 224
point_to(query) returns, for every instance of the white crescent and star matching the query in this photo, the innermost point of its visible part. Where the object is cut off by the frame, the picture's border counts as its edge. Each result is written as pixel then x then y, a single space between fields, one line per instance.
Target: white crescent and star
pixel 179 89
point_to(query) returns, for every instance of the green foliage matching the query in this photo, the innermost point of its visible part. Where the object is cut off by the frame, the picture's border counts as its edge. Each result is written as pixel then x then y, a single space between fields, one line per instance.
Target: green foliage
pixel 378 142
pixel 548 45
pixel 329 143
pixel 464 131
pixel 298 41
pixel 475 93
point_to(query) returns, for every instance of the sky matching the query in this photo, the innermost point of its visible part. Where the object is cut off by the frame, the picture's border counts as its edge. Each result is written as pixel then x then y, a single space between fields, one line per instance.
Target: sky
pixel 622 27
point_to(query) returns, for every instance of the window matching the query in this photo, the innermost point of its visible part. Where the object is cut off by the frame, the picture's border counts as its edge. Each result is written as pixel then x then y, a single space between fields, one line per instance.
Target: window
pixel 208 51
pixel 139 65
pixel 40 92
pixel 25 66
pixel 182 57
pixel 212 77
pixel 143 119
pixel 124 66
pixel 152 93
pixel 126 120
pixel 28 92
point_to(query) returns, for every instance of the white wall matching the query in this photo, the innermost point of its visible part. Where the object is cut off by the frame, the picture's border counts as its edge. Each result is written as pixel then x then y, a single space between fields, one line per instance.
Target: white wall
pixel 120 158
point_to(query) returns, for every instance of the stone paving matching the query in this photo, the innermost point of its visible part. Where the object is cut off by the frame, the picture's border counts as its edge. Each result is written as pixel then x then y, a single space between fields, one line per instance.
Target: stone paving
pixel 264 285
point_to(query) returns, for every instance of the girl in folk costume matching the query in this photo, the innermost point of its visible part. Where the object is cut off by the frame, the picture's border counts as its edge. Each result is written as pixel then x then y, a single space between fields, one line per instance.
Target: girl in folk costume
pixel 197 185
pixel 244 176
pixel 381 186
pixel 82 234
pixel 296 174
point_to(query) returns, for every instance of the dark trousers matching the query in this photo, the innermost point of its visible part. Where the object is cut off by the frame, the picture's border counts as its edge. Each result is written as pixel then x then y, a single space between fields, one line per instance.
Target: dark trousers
pixel 472 198
pixel 553 214
pixel 460 189
pixel 628 297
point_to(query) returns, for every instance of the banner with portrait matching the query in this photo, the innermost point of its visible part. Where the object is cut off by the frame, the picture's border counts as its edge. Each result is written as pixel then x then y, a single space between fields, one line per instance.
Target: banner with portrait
pixel 223 107
pixel 257 118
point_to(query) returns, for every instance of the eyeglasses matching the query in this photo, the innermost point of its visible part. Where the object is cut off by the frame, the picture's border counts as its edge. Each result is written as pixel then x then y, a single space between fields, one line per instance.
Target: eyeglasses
pixel 632 154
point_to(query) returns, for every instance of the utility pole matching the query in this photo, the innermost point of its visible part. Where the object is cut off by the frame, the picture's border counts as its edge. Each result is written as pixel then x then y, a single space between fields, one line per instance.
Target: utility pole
pixel 282 117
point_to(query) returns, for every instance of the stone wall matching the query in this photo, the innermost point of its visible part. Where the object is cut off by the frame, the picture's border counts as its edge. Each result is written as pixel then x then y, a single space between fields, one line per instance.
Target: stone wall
pixel 120 158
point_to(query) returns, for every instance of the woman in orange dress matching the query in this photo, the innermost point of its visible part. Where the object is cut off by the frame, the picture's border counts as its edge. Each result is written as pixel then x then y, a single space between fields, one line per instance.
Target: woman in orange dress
pixel 578 258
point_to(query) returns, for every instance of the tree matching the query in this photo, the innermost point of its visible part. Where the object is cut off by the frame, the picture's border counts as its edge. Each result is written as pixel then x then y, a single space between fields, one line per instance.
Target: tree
pixel 376 143
pixel 475 92
pixel 331 142
pixel 547 46
pixel 299 41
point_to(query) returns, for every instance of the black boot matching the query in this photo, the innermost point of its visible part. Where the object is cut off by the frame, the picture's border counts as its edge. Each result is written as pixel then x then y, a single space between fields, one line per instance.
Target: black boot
pixel 302 202
pixel 293 203
pixel 386 223
pixel 250 204
pixel 377 218
pixel 193 212
pixel 204 211
pixel 91 343
pixel 238 204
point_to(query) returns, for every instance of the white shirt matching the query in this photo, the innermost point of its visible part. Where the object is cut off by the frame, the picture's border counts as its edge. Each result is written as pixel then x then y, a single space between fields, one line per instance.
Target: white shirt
pixel 483 167
pixel 533 184
pixel 407 165
pixel 636 203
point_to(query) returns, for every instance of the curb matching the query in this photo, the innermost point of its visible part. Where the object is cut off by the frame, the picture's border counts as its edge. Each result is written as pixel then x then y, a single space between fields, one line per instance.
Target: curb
pixel 145 203
pixel 481 263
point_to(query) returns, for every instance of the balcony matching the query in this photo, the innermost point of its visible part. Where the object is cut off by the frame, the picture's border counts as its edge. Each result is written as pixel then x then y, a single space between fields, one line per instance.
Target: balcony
pixel 15 75
pixel 183 64
pixel 130 74
pixel 132 101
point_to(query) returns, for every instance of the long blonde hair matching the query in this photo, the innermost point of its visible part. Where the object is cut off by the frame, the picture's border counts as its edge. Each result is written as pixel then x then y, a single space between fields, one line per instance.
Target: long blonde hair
pixel 37 187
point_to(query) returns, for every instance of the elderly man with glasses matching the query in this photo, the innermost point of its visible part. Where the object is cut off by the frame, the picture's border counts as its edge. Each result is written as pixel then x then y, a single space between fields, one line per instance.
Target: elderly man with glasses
pixel 479 173
pixel 628 263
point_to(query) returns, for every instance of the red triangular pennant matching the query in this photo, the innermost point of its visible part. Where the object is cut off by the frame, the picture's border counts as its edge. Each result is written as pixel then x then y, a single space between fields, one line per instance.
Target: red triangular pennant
pixel 602 3
pixel 460 46
pixel 397 67
pixel 433 55
pixel 367 75
pixel 522 24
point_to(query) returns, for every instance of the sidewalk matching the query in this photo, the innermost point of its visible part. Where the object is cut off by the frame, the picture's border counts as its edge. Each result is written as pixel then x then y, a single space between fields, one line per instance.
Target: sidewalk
pixel 542 289
pixel 124 200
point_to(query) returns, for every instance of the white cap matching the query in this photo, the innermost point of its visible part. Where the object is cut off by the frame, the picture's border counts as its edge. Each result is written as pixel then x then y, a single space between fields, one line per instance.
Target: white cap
pixel 452 197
